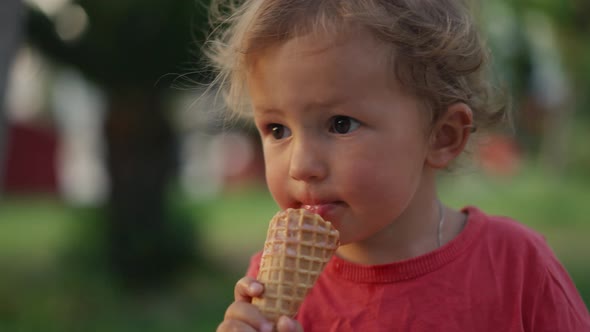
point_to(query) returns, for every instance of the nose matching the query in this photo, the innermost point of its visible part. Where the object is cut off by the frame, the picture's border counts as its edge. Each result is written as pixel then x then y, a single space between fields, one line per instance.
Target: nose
pixel 308 161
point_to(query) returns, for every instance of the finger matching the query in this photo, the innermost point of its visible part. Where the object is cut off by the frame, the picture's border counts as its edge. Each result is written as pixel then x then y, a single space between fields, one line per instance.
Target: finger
pixel 249 315
pixel 247 288
pixel 286 324
pixel 234 325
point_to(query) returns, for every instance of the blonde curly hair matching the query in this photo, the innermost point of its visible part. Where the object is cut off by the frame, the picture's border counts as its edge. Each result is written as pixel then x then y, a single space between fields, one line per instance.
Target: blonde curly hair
pixel 435 49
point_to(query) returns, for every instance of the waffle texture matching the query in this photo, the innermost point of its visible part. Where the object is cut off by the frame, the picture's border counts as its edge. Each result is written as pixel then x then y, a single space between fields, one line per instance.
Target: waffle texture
pixel 298 246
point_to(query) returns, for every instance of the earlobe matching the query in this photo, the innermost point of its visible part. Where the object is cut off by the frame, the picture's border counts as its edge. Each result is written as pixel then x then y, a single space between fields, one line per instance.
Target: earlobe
pixel 450 135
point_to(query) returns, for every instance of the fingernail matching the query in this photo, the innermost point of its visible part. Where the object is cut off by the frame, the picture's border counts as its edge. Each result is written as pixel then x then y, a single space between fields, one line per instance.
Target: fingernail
pixel 266 327
pixel 287 323
pixel 255 288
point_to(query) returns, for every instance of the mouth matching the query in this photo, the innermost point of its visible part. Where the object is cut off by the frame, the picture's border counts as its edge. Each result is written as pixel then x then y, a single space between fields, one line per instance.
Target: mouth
pixel 325 210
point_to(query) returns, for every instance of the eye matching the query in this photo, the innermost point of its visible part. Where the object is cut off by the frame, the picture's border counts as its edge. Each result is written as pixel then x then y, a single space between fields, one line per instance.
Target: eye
pixel 278 131
pixel 343 124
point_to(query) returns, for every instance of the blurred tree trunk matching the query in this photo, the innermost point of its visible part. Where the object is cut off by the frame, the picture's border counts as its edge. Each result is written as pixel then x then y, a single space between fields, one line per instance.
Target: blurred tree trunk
pixel 141 161
pixel 11 14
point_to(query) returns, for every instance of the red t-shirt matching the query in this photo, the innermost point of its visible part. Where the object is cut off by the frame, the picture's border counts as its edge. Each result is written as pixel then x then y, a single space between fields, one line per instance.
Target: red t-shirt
pixel 497 275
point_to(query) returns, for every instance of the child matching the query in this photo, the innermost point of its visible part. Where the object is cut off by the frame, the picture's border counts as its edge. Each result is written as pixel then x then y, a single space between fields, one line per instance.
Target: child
pixel 358 104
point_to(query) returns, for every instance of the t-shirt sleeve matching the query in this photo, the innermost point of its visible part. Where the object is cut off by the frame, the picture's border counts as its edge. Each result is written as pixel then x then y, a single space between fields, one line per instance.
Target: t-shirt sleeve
pixel 558 306
pixel 254 265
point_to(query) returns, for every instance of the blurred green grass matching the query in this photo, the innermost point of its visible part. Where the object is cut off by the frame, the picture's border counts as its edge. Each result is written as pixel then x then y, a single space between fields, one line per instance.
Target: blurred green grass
pixel 52 279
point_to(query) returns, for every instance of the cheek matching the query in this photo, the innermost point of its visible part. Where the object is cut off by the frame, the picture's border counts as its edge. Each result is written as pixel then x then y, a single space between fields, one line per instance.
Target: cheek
pixel 276 180
pixel 382 182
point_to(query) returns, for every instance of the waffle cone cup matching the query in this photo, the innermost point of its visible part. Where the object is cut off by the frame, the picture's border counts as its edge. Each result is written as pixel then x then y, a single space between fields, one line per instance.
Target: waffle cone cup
pixel 298 246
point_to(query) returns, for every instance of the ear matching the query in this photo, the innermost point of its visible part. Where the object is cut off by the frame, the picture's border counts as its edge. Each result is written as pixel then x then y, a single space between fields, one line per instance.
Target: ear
pixel 449 135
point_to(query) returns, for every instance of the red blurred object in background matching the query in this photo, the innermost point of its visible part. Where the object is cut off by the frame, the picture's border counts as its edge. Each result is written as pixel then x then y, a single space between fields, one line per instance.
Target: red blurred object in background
pixel 30 161
pixel 500 155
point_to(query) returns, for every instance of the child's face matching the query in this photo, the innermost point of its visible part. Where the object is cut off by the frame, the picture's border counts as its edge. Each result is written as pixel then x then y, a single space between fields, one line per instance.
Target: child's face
pixel 339 137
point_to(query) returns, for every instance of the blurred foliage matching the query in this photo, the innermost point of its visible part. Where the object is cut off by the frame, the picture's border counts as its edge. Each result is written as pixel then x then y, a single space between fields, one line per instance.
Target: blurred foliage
pixel 541 51
pixel 128 44
pixel 573 29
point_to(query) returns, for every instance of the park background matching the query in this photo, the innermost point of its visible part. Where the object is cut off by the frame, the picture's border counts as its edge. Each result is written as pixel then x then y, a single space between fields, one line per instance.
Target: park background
pixel 128 204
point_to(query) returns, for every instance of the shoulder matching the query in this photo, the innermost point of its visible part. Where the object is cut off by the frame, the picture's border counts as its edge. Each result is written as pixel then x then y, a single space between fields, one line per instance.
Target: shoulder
pixel 502 231
pixel 549 297
pixel 511 246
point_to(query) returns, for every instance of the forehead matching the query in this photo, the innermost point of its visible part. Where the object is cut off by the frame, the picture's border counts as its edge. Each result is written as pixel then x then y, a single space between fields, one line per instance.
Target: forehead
pixel 319 65
pixel 348 38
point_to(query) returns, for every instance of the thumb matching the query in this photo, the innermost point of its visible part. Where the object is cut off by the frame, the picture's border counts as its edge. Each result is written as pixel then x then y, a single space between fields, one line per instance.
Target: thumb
pixel 286 324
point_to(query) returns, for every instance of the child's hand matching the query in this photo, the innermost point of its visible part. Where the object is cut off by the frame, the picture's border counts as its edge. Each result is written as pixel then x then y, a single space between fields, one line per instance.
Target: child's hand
pixel 286 324
pixel 243 316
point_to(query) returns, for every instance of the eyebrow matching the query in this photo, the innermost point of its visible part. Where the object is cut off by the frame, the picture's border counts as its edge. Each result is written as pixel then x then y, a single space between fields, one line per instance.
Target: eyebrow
pixel 265 110
pixel 313 105
pixel 329 103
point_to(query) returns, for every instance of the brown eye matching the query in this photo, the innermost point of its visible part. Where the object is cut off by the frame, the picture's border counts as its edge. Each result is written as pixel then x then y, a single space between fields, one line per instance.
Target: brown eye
pixel 343 124
pixel 279 131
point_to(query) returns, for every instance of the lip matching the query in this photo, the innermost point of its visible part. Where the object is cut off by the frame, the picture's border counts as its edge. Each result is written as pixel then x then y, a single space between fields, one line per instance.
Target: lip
pixel 325 210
